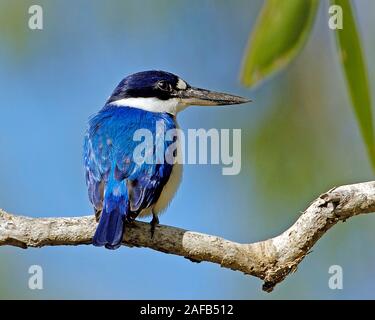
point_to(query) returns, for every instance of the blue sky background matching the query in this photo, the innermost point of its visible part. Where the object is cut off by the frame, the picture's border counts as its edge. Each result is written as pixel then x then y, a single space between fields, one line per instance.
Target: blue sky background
pixel 299 138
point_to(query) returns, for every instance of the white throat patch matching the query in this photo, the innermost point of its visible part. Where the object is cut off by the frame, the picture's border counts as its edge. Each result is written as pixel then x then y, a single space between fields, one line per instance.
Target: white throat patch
pixel 153 104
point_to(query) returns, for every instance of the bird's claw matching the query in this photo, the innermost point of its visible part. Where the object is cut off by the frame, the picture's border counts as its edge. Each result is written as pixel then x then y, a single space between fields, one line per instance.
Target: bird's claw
pixel 154 222
pixel 98 213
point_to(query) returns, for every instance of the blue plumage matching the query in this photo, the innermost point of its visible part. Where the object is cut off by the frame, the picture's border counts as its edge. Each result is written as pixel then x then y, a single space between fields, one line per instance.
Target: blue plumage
pixel 115 208
pixel 117 185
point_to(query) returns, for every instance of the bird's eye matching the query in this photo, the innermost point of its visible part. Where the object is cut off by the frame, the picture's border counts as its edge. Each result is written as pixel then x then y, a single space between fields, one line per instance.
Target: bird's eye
pixel 164 85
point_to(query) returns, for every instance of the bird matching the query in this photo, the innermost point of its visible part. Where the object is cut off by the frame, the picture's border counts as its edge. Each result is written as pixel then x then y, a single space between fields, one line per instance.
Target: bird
pixel 119 187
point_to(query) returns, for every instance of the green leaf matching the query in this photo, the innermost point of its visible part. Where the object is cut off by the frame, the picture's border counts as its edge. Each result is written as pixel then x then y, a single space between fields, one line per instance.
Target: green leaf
pixel 353 63
pixel 280 32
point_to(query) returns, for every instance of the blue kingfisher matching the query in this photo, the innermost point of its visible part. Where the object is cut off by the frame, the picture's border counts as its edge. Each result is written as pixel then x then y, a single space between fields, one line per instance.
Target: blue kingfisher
pixel 120 188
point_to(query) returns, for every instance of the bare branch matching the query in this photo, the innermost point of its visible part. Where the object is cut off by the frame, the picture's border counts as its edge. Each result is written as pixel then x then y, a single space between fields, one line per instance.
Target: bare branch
pixel 270 260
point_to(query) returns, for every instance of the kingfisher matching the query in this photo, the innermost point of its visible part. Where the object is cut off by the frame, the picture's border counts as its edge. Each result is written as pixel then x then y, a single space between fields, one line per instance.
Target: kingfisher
pixel 119 187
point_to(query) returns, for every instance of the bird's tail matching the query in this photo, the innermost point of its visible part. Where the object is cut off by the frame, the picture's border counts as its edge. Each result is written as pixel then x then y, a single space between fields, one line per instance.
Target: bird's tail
pixel 110 229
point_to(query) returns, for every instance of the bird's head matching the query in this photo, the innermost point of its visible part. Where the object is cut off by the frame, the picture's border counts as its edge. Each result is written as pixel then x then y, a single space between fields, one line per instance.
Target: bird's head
pixel 160 91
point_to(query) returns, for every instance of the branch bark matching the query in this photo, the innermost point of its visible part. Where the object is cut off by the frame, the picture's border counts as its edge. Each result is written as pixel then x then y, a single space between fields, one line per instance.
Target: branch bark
pixel 270 260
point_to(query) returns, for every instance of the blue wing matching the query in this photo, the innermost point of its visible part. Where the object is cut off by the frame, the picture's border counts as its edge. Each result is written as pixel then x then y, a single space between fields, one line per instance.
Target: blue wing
pixel 117 184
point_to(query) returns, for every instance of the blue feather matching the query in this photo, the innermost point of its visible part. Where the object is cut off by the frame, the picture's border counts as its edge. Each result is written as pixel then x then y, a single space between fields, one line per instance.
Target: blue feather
pixel 111 224
pixel 117 185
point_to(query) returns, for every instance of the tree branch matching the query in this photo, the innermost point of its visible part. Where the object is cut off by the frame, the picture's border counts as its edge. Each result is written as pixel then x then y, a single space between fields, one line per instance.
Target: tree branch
pixel 270 260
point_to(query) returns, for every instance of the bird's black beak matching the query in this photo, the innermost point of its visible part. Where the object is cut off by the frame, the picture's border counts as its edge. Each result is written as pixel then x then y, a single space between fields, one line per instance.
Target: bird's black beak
pixel 203 97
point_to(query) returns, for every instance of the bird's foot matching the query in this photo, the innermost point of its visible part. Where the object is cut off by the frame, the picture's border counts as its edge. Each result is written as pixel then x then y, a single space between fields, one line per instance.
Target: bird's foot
pixel 130 218
pixel 154 222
